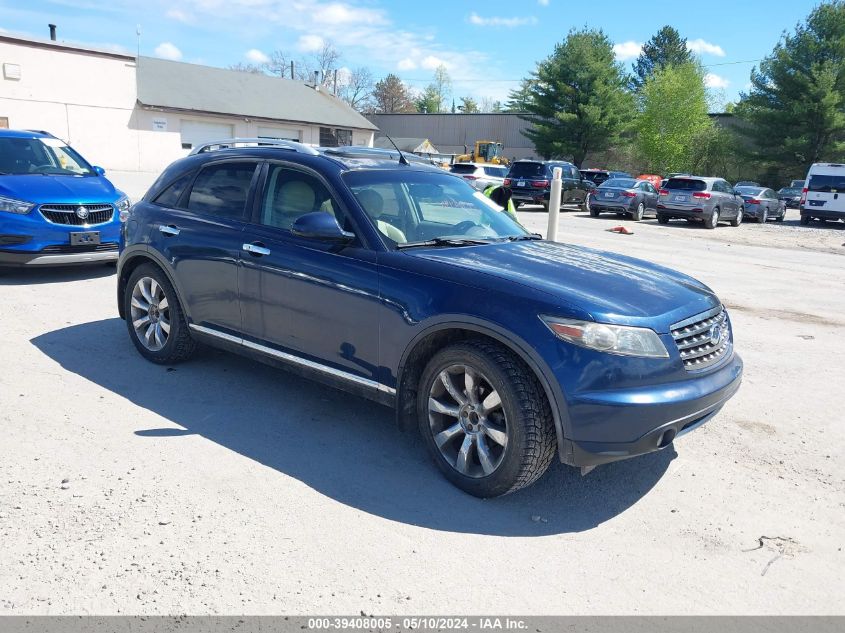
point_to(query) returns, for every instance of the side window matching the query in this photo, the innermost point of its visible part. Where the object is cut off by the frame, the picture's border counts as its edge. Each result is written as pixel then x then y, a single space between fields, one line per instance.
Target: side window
pixel 221 189
pixel 720 187
pixel 573 173
pixel 290 193
pixel 171 195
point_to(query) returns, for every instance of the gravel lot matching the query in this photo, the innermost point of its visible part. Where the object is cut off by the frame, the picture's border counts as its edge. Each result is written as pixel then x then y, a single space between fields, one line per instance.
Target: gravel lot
pixel 224 486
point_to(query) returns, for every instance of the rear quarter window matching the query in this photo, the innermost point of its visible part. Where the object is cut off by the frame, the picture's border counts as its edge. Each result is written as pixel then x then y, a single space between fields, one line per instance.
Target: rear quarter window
pixel 173 192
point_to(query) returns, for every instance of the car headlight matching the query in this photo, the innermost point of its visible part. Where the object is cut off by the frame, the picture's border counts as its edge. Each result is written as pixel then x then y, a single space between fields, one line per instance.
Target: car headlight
pixel 614 339
pixel 10 205
pixel 123 205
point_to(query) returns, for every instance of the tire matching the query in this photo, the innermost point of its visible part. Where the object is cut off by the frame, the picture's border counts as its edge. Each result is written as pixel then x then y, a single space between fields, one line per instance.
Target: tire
pixel 805 219
pixel 585 205
pixel 738 219
pixel 594 213
pixel 637 215
pixel 662 219
pixel 505 448
pixel 713 221
pixel 765 217
pixel 163 346
pixel 545 206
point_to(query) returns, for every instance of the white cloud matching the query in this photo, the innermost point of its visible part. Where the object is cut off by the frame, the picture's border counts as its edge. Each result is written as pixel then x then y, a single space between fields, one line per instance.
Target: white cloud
pixel 256 56
pixel 406 64
pixel 478 20
pixel 702 47
pixel 712 80
pixel 627 50
pixel 310 43
pixel 338 13
pixel 180 16
pixel 433 63
pixel 543 3
pixel 166 50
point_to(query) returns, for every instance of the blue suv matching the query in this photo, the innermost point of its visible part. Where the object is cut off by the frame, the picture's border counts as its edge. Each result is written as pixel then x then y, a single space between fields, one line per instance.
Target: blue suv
pixel 55 208
pixel 399 282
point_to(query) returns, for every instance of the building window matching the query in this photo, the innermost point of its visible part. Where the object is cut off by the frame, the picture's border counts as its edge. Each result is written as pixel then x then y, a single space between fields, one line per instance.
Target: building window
pixel 4 122
pixel 335 137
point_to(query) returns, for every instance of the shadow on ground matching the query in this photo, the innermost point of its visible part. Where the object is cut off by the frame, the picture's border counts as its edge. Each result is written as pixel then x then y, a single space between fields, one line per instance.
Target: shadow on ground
pixel 344 447
pixel 23 276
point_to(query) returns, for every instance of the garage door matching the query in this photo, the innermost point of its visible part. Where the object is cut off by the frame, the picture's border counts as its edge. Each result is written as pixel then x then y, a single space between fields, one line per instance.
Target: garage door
pixel 289 134
pixel 197 132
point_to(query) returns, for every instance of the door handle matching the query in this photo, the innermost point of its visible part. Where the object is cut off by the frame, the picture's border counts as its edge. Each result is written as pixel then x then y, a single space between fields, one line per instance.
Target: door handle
pixel 256 249
pixel 168 230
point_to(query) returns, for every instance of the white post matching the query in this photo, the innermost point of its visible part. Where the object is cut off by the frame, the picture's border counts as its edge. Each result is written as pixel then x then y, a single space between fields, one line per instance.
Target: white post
pixel 554 204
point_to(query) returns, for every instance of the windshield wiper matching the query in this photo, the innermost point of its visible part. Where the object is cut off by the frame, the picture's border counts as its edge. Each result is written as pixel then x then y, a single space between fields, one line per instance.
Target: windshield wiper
pixel 444 241
pixel 529 236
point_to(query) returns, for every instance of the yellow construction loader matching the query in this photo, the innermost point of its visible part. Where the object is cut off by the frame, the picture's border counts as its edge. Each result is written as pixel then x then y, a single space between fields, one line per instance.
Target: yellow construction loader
pixel 485 152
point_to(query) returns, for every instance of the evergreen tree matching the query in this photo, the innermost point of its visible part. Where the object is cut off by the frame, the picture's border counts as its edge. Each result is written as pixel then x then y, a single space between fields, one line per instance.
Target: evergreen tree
pixel 665 48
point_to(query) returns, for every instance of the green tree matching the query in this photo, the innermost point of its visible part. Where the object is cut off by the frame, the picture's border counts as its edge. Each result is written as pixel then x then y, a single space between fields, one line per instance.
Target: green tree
pixel 795 109
pixel 673 115
pixel 665 48
pixel 428 100
pixel 391 96
pixel 518 98
pixel 468 105
pixel 577 99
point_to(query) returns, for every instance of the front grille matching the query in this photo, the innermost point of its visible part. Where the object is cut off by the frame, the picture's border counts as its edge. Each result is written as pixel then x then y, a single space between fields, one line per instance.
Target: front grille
pixel 64 249
pixel 702 339
pixel 98 213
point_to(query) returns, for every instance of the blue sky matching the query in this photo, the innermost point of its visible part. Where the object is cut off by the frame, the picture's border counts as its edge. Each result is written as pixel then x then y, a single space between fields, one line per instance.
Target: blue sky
pixel 486 46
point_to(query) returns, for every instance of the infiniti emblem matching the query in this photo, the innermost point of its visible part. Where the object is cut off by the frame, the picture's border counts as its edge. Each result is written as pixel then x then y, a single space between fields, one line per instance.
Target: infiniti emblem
pixel 81 213
pixel 716 334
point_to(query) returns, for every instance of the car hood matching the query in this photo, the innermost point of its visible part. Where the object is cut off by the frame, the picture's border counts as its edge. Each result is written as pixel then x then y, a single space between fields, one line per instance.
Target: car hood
pixel 44 189
pixel 611 288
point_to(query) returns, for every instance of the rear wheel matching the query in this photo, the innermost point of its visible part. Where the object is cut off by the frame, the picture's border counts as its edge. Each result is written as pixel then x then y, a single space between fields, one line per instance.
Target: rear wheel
pixel 805 219
pixel 485 419
pixel 594 213
pixel 738 219
pixel 713 221
pixel 154 317
pixel 638 214
pixel 662 219
pixel 765 217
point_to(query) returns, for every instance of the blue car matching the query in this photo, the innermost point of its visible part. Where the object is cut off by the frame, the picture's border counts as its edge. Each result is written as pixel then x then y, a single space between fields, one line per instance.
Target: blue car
pixel 401 283
pixel 55 208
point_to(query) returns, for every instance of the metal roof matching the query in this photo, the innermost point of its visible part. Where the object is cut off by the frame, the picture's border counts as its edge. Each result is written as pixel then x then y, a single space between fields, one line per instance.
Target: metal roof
pixel 203 89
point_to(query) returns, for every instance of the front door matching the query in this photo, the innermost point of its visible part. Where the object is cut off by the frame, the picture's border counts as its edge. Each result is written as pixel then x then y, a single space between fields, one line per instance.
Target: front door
pixel 316 301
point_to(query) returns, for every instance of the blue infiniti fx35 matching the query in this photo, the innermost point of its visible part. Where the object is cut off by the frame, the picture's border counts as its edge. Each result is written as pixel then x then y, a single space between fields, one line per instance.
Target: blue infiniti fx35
pixel 399 282
pixel 55 208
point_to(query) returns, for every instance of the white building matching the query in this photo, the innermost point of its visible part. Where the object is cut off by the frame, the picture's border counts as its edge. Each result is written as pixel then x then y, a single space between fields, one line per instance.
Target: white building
pixel 133 116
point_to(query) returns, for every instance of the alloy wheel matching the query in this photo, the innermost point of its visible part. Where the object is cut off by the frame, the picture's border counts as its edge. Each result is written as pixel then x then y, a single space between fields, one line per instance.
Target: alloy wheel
pixel 467 421
pixel 150 314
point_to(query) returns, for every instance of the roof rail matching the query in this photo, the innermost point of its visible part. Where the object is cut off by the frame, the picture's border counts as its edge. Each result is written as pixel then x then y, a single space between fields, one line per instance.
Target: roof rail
pixel 253 142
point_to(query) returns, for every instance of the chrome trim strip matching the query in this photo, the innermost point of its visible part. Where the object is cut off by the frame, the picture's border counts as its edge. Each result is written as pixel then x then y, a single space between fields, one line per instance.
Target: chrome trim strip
pixel 697 317
pixel 295 359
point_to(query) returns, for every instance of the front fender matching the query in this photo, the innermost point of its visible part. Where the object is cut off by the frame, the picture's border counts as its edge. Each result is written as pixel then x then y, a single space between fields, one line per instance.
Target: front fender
pixel 129 261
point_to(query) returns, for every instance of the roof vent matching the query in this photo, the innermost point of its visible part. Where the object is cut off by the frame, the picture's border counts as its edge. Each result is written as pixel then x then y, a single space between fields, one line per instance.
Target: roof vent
pixel 52 31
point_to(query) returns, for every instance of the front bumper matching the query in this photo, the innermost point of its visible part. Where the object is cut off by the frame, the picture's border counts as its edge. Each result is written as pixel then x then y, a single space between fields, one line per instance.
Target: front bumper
pixel 657 416
pixel 48 258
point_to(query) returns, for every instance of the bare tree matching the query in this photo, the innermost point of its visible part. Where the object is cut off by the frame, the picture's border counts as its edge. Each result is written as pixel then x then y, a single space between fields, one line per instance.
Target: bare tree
pixel 391 95
pixel 356 88
pixel 325 61
pixel 247 68
pixel 279 64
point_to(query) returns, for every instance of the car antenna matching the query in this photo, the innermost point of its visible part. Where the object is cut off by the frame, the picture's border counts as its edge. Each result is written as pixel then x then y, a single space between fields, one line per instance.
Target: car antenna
pixel 402 159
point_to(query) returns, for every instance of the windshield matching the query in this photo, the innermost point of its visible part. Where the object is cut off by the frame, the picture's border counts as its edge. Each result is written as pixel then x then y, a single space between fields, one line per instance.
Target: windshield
pixel 24 156
pixel 416 206
pixel 597 177
pixel 621 183
pixel 750 191
pixel 790 191
pixel 465 168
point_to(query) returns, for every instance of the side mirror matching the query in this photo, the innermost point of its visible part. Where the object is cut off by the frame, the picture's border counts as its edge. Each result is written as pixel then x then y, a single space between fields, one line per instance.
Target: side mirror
pixel 99 171
pixel 320 225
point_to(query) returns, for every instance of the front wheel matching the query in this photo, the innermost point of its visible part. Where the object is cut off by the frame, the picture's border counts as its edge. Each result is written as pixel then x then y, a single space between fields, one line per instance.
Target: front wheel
pixel 154 317
pixel 738 219
pixel 713 221
pixel 485 419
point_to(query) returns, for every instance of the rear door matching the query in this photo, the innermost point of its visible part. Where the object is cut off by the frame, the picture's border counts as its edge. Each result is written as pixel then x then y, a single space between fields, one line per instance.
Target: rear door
pixel 826 191
pixel 200 235
pixel 649 194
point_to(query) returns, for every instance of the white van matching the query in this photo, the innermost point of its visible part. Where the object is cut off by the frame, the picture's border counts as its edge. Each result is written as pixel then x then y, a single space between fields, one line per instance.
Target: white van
pixel 823 196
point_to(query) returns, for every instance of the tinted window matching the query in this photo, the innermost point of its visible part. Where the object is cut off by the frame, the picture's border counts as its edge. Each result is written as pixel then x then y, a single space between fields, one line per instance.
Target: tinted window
pixel 222 189
pixel 825 183
pixel 750 191
pixel 790 191
pixel 289 194
pixel 41 156
pixel 527 170
pixel 463 169
pixel 686 184
pixel 498 172
pixel 171 195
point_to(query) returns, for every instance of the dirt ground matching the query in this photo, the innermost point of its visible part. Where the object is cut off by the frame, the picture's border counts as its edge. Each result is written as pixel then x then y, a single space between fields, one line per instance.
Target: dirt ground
pixel 224 486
